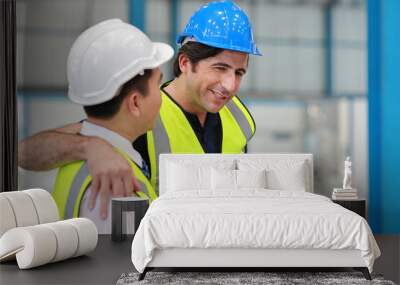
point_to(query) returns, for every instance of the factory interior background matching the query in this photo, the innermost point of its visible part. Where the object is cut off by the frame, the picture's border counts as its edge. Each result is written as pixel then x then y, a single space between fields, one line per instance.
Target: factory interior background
pixel 302 99
pixel 308 93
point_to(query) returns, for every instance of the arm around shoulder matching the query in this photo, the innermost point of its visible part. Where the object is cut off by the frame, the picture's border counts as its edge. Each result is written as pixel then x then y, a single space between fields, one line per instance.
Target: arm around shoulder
pixel 111 173
pixel 52 148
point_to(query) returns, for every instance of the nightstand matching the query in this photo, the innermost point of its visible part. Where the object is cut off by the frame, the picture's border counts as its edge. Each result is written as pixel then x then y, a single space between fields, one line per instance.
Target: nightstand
pixel 357 206
pixel 127 212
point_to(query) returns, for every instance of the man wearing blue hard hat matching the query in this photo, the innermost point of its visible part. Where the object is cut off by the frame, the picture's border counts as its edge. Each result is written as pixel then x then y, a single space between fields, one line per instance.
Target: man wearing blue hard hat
pixel 200 112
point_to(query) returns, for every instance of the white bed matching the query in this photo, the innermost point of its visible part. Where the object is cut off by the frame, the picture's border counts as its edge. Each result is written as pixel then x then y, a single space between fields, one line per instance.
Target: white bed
pixel 200 220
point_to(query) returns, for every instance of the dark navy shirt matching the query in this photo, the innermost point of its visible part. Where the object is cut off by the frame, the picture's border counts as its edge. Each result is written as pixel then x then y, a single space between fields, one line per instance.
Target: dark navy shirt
pixel 209 135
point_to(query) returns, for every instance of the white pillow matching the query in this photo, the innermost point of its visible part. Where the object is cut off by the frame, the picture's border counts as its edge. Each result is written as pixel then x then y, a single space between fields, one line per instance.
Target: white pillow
pixel 281 174
pixel 251 178
pixel 223 179
pixel 289 179
pixel 188 177
pixel 205 162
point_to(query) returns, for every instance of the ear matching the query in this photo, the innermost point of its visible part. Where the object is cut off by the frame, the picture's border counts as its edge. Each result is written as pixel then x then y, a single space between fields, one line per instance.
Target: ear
pixel 133 102
pixel 184 63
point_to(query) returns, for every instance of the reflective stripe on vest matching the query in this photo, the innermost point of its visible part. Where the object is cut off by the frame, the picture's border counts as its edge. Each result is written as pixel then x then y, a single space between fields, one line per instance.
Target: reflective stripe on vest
pixel 78 187
pixel 73 179
pixel 75 188
pixel 241 119
pixel 173 133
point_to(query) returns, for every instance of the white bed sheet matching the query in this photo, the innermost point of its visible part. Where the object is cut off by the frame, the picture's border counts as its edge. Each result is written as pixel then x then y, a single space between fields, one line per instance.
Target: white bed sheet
pixel 250 218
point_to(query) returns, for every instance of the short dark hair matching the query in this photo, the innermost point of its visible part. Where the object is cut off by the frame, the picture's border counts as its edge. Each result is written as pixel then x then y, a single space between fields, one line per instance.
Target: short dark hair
pixel 195 52
pixel 108 109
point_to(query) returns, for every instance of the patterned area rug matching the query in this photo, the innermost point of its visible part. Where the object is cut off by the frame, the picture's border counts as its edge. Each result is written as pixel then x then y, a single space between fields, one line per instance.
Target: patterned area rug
pixel 230 278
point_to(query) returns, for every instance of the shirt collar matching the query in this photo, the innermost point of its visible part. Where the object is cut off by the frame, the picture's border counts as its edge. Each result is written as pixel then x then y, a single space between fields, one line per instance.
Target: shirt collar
pixel 118 141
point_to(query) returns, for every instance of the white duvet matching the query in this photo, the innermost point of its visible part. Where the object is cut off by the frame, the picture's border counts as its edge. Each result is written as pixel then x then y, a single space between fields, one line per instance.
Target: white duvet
pixel 252 218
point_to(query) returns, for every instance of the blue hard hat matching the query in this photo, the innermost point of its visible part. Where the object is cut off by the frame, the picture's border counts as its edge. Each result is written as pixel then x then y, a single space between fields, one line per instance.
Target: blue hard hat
pixel 223 25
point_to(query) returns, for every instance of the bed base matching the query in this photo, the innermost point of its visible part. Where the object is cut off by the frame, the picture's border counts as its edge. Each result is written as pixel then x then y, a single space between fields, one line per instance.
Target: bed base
pixel 240 260
pixel 363 270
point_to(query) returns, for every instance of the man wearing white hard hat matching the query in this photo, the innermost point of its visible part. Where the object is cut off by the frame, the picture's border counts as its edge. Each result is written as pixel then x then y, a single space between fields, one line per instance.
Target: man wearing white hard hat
pixel 113 72
pixel 200 110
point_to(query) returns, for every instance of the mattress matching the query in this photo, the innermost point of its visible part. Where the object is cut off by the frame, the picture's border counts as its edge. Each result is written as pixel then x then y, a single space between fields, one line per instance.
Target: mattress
pixel 251 219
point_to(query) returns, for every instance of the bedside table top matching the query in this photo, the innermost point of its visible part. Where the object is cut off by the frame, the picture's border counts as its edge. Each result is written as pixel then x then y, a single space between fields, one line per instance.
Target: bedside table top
pixel 349 200
pixel 129 199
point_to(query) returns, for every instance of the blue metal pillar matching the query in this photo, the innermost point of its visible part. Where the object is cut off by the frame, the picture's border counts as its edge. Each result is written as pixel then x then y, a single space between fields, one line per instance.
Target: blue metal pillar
pixel 384 115
pixel 174 22
pixel 328 48
pixel 137 13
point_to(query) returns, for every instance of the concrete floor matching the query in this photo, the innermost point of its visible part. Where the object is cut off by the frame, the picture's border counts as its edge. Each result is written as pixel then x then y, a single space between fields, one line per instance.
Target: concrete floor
pixel 110 260
pixel 389 262
pixel 101 266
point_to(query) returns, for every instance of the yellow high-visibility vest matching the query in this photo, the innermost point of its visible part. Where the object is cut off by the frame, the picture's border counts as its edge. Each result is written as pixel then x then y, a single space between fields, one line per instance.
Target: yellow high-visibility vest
pixel 173 133
pixel 73 179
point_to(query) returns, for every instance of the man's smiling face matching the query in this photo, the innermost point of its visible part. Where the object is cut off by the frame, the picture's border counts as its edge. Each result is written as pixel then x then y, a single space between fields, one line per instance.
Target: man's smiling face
pixel 213 81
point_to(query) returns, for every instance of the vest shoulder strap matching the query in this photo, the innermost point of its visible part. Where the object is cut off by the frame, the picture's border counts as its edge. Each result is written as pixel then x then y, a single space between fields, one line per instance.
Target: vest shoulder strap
pixel 242 116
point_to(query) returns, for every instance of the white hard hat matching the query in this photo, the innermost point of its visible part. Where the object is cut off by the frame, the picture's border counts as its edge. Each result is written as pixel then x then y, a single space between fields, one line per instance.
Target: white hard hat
pixel 106 56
